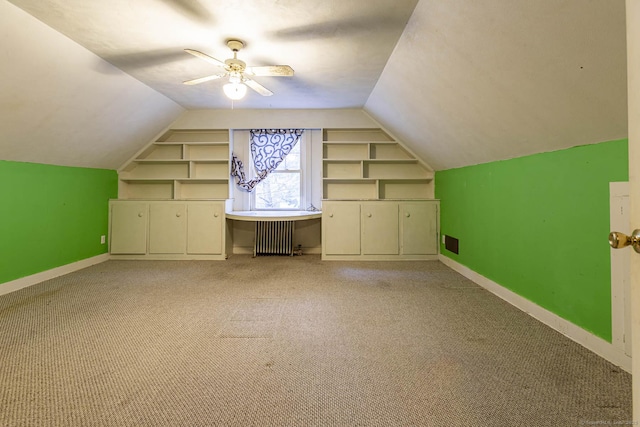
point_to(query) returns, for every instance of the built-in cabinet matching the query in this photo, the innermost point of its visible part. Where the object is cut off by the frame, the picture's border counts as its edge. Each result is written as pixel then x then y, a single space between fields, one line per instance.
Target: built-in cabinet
pixel 380 230
pixel 168 229
pixel 377 199
pixel 174 194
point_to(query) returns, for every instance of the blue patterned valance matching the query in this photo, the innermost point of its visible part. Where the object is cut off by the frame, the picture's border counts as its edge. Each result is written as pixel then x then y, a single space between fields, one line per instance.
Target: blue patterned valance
pixel 269 147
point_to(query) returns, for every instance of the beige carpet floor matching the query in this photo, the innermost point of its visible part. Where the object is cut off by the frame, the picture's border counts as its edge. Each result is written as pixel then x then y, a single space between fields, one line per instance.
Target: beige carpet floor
pixel 280 341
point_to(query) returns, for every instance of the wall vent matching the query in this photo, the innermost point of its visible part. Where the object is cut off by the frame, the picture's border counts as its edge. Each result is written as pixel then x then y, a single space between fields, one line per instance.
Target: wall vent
pixel 451 244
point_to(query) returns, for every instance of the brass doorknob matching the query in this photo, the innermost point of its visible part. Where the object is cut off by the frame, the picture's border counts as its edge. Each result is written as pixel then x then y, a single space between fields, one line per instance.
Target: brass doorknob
pixel 619 240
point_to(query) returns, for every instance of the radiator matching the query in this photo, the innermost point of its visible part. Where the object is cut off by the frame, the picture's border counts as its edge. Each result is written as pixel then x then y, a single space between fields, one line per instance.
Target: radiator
pixel 273 238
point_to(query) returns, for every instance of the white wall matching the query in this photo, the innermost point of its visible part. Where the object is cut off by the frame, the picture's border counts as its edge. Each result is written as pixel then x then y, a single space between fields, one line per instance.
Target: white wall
pixel 61 104
pixel 256 119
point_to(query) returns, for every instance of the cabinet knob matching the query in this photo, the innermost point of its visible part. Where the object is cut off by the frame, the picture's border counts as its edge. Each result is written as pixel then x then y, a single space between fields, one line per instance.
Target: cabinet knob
pixel 178 214
pixel 215 215
pixel 140 214
pixel 407 214
pixel 369 215
pixel 330 215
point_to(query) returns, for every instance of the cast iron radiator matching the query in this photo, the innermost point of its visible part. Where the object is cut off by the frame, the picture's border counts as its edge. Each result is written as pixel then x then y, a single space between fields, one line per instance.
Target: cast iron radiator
pixel 273 238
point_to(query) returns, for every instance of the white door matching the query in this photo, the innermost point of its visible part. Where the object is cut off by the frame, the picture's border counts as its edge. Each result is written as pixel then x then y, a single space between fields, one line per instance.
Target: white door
pixel 633 91
pixel 620 288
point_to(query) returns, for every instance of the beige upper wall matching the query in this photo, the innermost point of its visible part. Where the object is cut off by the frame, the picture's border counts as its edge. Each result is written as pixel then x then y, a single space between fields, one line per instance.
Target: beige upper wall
pixel 61 104
pixel 250 119
pixel 477 81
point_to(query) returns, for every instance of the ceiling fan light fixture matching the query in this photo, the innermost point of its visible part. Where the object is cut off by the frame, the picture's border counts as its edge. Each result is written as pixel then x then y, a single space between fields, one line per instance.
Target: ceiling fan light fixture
pixel 235 90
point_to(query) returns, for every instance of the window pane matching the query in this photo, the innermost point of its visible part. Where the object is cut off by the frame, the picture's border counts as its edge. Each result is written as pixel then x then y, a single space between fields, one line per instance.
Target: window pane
pixel 292 161
pixel 278 191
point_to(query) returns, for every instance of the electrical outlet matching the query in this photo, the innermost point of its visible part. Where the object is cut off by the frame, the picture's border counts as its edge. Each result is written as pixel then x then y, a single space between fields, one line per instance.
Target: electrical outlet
pixel 443 236
pixel 103 239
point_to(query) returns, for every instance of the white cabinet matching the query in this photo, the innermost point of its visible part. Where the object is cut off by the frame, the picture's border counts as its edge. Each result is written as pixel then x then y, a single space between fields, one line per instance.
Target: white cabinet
pixel 205 227
pixel 341 228
pixel 167 229
pixel 129 223
pixel 380 230
pixel 418 225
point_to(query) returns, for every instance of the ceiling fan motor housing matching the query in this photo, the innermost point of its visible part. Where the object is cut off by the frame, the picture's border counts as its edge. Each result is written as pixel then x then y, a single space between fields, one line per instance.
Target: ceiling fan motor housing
pixel 234 64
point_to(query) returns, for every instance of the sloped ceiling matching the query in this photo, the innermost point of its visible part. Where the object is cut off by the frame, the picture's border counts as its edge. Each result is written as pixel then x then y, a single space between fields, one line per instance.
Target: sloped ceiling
pixel 459 81
pixel 477 81
pixel 61 104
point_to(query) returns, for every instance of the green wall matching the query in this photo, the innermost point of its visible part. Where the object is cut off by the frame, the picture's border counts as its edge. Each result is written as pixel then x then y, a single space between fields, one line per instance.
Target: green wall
pixel 538 225
pixel 51 216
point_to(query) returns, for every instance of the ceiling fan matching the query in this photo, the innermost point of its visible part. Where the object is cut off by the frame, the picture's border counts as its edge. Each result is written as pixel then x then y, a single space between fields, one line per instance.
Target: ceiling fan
pixel 239 73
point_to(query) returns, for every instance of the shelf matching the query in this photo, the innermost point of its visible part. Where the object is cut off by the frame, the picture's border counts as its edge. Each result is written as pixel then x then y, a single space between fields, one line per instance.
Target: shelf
pixel 350 189
pixel 388 151
pixel 346 151
pixel 394 170
pixel 368 164
pixel 404 189
pixel 181 164
pixel 202 189
pixel 210 170
pixel 194 136
pixel 342 169
pixel 206 151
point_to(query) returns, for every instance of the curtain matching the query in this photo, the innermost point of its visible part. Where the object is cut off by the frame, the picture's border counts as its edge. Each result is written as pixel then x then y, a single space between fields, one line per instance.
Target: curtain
pixel 269 147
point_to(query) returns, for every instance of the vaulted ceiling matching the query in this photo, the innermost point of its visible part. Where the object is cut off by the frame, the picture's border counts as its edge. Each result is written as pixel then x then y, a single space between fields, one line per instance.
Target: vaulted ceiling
pixel 88 83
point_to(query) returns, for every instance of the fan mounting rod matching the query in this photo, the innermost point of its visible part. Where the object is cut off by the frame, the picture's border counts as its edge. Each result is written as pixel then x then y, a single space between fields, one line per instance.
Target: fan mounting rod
pixel 235 65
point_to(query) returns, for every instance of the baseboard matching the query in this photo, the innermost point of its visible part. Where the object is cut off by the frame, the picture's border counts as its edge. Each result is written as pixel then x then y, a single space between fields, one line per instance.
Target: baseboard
pixel 24 282
pixel 593 343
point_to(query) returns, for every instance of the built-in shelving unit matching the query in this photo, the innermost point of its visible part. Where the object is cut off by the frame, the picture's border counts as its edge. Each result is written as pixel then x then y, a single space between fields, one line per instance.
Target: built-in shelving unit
pixel 180 165
pixel 368 164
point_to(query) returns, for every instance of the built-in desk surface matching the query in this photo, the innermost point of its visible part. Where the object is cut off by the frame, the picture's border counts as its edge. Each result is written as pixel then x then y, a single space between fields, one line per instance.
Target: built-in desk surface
pixel 273 215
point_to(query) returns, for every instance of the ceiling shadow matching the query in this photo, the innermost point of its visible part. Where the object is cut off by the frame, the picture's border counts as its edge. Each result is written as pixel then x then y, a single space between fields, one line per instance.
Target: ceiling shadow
pixel 148 58
pixel 192 9
pixel 340 28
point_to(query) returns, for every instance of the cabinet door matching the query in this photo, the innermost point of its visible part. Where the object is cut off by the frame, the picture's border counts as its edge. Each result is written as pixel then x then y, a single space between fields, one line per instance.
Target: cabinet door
pixel 204 228
pixel 419 228
pixel 380 228
pixel 167 228
pixel 341 228
pixel 129 228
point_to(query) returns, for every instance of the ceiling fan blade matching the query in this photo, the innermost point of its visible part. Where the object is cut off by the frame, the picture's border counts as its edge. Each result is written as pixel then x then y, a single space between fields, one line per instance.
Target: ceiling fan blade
pixel 257 87
pixel 203 79
pixel 270 70
pixel 206 57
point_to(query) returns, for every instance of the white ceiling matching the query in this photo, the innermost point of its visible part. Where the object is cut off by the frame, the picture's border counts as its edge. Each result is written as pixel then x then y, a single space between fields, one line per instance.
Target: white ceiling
pixel 460 82
pixel 336 48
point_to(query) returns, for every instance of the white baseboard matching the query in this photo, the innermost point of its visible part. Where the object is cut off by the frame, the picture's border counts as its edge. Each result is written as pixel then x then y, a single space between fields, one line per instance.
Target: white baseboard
pixel 596 344
pixel 24 282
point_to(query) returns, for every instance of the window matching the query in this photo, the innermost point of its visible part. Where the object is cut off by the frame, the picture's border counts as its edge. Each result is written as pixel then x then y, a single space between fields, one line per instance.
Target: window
pixel 282 189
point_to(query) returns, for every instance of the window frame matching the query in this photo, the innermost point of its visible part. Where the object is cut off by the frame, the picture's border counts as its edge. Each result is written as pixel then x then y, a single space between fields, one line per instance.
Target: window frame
pixel 305 180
